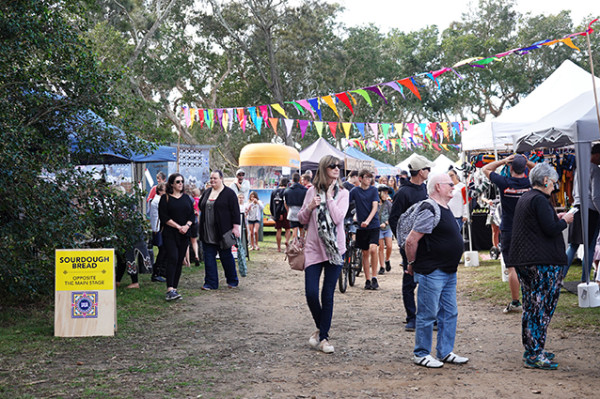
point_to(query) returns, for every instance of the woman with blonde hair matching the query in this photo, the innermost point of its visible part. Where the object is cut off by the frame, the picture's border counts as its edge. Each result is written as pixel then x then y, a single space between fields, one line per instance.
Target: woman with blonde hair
pixel 323 211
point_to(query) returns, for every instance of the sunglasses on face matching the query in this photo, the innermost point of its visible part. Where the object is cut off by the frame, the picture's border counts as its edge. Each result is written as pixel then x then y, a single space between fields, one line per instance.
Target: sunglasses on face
pixel 178 181
pixel 241 174
pixel 450 184
pixel 334 165
pixel 427 169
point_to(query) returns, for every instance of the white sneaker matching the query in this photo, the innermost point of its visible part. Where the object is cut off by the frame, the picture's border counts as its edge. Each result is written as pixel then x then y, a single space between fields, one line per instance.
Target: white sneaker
pixel 454 358
pixel 326 347
pixel 314 339
pixel 428 361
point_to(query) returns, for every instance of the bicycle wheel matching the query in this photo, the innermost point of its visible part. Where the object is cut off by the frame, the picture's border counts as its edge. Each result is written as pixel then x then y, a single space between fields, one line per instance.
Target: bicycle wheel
pixel 357 266
pixel 351 273
pixel 343 279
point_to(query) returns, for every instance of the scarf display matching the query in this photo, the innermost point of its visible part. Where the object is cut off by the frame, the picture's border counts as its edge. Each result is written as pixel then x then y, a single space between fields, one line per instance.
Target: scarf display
pixel 327 230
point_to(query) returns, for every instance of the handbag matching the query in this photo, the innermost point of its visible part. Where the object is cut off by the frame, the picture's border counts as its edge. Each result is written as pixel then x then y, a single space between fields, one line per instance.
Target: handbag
pixel 228 240
pixel 294 253
pixel 157 239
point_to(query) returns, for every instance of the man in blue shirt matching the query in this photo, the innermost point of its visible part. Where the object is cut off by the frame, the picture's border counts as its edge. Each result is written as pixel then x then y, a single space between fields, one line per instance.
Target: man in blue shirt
pixel 366 199
pixel 511 189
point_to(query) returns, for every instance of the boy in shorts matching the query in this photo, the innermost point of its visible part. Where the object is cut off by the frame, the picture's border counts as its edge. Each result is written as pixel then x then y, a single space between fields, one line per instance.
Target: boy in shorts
pixel 366 199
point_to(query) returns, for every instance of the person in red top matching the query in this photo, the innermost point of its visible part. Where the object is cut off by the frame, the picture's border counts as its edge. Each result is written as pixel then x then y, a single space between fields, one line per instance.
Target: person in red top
pixel 160 178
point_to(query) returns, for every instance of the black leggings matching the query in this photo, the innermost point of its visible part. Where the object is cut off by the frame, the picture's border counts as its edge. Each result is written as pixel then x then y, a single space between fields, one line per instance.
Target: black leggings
pixel 175 246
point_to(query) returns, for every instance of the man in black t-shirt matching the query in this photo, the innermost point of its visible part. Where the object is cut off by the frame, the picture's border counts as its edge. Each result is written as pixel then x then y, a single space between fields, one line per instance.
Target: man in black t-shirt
pixel 408 194
pixel 433 252
pixel 511 189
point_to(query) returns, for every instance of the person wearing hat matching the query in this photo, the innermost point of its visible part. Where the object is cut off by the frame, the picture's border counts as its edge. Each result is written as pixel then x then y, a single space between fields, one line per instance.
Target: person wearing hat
pixel 408 194
pixel 240 185
pixel 511 189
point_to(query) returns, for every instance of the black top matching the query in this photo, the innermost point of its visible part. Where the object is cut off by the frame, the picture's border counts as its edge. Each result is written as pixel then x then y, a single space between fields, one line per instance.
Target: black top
pixel 226 211
pixel 442 248
pixel 276 205
pixel 351 206
pixel 180 210
pixel 294 195
pixel 537 233
pixel 407 195
pixel 511 189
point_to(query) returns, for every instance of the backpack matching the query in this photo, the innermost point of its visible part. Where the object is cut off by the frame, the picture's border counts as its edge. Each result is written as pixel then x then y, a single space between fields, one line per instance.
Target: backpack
pixel 278 205
pixel 408 218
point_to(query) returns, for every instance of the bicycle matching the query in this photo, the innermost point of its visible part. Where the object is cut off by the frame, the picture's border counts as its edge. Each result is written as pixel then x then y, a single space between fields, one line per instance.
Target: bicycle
pixel 352 259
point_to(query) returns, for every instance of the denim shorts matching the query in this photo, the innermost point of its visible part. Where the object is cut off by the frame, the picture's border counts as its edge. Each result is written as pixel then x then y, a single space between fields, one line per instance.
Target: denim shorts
pixel 387 233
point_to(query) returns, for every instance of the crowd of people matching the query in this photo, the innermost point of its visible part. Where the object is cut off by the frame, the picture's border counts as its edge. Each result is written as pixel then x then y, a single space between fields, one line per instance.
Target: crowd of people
pixel 435 206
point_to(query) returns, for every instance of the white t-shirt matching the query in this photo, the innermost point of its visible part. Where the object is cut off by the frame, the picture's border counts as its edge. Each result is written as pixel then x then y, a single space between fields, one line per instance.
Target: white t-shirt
pixel 245 189
pixel 457 204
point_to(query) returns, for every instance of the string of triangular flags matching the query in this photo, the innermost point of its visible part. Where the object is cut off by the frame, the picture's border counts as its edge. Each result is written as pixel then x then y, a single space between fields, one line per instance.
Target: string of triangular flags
pixel 265 113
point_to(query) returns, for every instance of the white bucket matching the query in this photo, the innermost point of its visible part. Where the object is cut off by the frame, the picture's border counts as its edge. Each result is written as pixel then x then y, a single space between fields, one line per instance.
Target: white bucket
pixel 589 295
pixel 504 270
pixel 471 258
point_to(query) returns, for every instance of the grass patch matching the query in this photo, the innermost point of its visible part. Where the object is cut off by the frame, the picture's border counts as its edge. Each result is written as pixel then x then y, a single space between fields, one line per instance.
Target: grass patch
pixel 484 283
pixel 30 329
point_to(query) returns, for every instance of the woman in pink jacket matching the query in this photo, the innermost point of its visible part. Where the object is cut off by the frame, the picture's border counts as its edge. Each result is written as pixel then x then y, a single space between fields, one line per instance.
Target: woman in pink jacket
pixel 323 212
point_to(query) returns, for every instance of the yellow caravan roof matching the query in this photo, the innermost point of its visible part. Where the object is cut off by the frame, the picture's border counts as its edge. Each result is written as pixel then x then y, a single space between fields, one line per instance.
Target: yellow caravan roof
pixel 265 154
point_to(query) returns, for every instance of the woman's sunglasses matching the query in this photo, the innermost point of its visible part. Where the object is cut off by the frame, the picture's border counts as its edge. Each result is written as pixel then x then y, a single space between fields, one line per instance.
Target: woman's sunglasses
pixel 334 165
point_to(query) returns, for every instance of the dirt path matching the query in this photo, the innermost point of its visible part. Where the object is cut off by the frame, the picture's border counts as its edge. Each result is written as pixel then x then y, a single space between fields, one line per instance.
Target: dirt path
pixel 252 343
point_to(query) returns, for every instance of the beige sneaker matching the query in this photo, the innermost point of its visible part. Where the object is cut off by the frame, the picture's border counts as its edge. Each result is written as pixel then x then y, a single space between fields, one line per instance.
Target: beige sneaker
pixel 326 347
pixel 314 339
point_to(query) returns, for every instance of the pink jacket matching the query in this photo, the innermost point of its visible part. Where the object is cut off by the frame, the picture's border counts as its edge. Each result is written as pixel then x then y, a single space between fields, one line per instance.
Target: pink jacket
pixel 314 250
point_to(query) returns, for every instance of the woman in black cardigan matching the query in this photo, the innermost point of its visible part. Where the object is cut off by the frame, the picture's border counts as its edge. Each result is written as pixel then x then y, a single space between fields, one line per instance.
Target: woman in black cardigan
pixel 176 213
pixel 219 219
pixel 538 254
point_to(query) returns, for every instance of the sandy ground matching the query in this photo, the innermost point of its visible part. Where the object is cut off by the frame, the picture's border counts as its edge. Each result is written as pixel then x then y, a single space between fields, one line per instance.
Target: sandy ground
pixel 252 342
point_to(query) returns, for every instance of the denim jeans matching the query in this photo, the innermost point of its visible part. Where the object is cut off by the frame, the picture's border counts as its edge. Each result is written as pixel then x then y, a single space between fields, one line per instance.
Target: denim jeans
pixel 211 278
pixel 436 298
pixel 322 311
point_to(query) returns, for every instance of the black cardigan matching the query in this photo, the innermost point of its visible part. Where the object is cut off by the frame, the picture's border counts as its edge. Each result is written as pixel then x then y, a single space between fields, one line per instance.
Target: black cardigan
pixel 537 233
pixel 227 211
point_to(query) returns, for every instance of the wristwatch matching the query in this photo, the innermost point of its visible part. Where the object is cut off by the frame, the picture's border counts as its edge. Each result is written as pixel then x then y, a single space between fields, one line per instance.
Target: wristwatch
pixel 412 262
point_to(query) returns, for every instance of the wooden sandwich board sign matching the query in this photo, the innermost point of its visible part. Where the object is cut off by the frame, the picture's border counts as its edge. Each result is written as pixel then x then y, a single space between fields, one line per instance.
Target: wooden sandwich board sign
pixel 85 298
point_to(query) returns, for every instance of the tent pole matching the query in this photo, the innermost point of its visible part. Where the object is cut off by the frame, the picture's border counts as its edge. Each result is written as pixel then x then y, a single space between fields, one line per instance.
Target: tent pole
pixel 178 144
pixel 593 77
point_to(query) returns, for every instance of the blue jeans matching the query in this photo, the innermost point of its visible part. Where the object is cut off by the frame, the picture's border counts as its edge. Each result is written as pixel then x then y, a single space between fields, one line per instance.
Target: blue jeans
pixel 322 311
pixel 436 298
pixel 211 278
pixel 460 223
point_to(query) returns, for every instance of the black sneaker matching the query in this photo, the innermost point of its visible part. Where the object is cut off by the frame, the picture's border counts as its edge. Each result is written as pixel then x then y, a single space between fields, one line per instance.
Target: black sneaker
pixel 368 285
pixel 374 284
pixel 172 295
pixel 381 271
pixel 388 266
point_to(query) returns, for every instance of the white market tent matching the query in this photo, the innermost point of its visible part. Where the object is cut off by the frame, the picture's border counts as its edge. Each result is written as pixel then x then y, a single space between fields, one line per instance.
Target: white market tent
pixel 561 111
pixel 441 164
pixel 563 85
pixel 576 120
